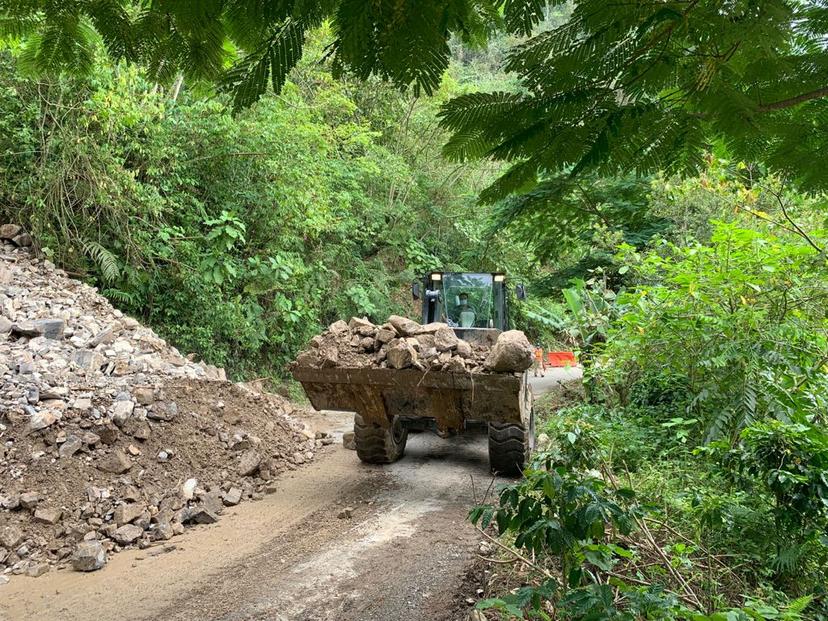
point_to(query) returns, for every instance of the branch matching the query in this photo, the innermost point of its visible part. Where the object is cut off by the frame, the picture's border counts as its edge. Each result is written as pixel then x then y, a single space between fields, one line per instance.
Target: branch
pixel 793 101
pixel 799 230
pixel 764 218
pixel 517 555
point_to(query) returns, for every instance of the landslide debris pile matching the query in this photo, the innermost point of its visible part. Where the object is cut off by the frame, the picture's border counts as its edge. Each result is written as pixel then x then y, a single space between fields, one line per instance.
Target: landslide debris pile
pixel 402 343
pixel 109 437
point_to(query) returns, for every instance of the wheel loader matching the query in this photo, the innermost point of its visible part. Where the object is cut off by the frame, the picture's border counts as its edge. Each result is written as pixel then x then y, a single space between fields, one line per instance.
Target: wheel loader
pixel 388 403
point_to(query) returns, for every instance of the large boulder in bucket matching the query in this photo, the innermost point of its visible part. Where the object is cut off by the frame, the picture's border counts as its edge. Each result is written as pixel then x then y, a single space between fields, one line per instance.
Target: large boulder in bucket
pixel 512 353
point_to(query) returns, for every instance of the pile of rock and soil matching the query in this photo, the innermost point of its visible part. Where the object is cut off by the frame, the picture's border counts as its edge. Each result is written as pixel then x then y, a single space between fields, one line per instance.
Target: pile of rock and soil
pixel 109 437
pixel 402 343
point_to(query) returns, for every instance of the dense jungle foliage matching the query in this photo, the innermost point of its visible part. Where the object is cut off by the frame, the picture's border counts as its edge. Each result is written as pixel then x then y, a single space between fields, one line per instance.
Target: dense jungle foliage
pixel 237 237
pixel 692 483
pixel 691 480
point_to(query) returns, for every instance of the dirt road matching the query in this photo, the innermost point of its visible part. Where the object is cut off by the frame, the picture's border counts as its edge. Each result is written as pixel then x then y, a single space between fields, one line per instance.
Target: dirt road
pixel 554 377
pixel 289 557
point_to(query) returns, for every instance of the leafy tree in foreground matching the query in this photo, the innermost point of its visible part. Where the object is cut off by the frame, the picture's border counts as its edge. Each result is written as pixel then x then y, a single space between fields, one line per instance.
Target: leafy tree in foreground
pixel 249 45
pixel 649 86
pixel 636 86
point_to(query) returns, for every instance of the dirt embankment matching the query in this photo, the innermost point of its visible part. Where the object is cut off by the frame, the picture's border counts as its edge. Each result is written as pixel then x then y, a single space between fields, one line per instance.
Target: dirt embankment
pixel 339 541
pixel 109 437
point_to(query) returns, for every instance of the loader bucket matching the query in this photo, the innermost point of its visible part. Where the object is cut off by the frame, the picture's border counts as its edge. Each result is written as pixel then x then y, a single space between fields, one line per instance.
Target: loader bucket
pixel 379 395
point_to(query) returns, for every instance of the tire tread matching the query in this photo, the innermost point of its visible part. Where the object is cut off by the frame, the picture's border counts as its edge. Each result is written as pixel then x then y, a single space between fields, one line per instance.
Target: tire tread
pixel 508 448
pixel 375 444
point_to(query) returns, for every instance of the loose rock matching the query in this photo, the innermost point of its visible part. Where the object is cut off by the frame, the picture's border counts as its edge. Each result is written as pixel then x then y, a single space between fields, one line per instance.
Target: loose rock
pixel 127 534
pixel 511 353
pixel 445 339
pixel 232 496
pixel 128 512
pixel 401 354
pixel 121 411
pixel 11 537
pixel 28 500
pixel 203 515
pixel 403 343
pixel 88 556
pixel 42 419
pixel 71 445
pixel 35 570
pixel 116 462
pixel 249 463
pixel 48 515
pixel 403 325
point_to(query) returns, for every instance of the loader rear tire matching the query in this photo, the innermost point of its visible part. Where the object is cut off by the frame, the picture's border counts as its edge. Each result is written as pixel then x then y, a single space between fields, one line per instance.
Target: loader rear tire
pixel 378 445
pixel 510 447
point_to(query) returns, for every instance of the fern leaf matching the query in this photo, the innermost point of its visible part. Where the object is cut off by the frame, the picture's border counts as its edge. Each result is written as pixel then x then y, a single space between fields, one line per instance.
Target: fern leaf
pixel 476 109
pixel 104 260
pixel 112 22
pixel 523 15
pixel 122 297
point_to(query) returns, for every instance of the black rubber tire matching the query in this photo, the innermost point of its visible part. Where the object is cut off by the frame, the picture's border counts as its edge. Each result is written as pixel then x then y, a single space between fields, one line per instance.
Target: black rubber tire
pixel 510 447
pixel 377 445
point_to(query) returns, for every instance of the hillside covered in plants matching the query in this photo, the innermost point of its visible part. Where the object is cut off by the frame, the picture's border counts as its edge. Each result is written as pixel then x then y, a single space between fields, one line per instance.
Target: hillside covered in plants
pixel 240 174
pixel 238 236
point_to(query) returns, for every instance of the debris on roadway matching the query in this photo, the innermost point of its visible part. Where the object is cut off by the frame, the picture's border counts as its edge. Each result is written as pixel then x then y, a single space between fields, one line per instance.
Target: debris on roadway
pixel 109 437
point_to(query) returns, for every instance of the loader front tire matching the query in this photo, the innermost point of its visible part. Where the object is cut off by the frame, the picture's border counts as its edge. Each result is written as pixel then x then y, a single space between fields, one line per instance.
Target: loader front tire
pixel 510 447
pixel 378 445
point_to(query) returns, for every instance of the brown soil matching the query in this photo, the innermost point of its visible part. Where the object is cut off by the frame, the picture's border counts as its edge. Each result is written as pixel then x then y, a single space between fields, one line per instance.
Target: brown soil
pixel 400 556
pixel 208 413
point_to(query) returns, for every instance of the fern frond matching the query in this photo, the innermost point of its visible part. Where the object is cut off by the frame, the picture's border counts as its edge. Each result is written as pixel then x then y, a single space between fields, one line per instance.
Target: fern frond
pixel 16 27
pixel 787 559
pixel 476 109
pixel 518 178
pixel 104 260
pixel 522 16
pixel 113 24
pixel 123 297
pixel 65 41
pixel 466 144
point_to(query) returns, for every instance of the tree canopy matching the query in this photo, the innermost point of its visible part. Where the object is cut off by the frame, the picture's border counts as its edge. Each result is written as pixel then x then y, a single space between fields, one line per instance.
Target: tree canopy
pixel 247 45
pixel 655 86
pixel 638 86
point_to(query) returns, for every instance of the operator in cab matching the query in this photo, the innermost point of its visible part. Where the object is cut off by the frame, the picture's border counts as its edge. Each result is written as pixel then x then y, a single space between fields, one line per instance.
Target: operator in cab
pixel 464 314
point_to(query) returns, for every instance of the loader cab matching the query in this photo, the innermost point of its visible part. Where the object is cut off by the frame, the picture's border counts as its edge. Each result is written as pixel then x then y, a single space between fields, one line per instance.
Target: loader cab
pixel 474 304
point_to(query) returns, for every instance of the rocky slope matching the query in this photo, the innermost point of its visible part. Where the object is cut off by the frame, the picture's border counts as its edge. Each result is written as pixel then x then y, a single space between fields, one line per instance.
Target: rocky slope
pixel 109 437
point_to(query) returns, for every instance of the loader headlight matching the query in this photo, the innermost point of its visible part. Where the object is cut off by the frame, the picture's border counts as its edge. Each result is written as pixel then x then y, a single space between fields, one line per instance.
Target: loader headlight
pixel 436 276
pixel 499 277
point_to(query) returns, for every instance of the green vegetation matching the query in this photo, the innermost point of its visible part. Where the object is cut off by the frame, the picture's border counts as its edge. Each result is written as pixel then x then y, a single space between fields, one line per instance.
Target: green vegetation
pixel 604 87
pixel 652 170
pixel 652 87
pixel 238 237
pixel 694 482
